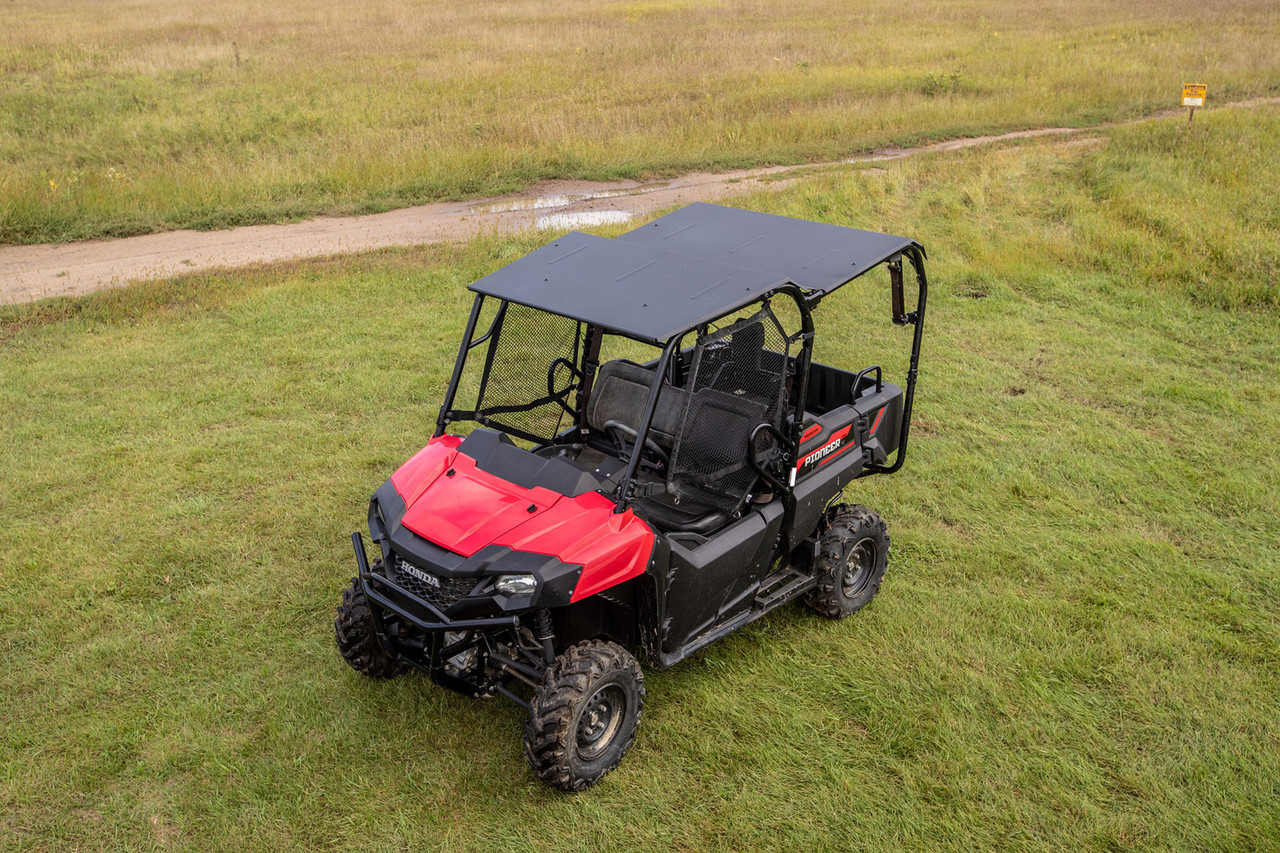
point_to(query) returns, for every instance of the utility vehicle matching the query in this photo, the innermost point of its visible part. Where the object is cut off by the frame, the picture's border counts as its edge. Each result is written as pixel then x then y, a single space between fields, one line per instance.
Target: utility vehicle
pixel 635 453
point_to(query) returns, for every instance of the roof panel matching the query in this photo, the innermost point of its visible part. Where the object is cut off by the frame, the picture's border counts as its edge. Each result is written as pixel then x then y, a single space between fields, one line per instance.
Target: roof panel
pixel 686 268
pixel 639 290
pixel 814 255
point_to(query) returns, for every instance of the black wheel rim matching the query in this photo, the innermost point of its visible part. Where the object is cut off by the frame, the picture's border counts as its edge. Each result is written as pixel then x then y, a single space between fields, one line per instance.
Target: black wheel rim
pixel 600 721
pixel 860 565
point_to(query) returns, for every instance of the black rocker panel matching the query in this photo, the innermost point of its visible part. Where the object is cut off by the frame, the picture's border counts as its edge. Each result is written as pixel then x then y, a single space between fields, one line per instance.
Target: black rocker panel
pixel 710 583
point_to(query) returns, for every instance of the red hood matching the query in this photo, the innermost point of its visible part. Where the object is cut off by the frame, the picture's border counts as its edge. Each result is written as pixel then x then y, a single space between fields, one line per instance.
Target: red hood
pixel 470 509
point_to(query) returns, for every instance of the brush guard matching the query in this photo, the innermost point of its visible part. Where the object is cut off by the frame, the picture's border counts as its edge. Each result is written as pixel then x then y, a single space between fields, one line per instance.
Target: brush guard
pixel 435 620
pixel 437 648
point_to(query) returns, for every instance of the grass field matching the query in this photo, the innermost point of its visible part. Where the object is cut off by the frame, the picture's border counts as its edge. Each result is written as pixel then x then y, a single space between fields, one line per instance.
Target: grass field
pixel 1077 646
pixel 133 117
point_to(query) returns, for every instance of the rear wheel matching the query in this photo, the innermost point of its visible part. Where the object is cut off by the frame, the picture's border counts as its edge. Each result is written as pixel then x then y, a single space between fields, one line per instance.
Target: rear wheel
pixel 357 640
pixel 853 553
pixel 583 717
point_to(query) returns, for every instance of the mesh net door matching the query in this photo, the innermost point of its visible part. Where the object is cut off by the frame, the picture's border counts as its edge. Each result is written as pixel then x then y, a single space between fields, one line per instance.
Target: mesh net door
pixel 525 377
pixel 737 381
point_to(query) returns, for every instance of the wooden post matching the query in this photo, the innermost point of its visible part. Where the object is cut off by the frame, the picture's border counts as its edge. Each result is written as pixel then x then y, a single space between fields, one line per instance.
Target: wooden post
pixel 1191 115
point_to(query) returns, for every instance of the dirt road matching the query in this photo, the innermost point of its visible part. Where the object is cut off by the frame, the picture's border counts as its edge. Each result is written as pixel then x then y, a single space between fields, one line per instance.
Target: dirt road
pixel 36 272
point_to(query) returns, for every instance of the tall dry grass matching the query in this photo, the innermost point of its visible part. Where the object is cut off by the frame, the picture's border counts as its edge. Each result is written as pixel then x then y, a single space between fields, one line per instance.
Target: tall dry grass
pixel 138 116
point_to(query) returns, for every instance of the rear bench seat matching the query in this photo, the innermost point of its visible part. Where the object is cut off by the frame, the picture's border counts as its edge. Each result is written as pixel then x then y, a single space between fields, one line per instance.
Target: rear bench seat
pixel 619 394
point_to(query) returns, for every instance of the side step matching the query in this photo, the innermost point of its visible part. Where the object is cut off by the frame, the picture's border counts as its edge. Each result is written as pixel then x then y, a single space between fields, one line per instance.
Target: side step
pixel 782 586
pixel 777 589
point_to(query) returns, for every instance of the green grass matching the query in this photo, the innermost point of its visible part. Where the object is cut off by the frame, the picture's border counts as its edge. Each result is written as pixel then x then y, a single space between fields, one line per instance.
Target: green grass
pixel 1077 645
pixel 122 118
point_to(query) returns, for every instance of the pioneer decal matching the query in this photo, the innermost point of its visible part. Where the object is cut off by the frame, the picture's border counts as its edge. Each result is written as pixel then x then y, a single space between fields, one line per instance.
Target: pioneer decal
pixel 824 451
pixel 836 444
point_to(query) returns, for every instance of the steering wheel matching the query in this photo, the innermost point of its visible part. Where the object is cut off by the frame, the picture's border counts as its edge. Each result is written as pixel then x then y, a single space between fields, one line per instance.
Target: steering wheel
pixel 616 429
pixel 574 374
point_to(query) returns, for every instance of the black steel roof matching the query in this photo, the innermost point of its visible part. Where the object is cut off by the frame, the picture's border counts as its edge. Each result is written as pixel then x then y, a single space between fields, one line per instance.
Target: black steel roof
pixel 814 255
pixel 686 268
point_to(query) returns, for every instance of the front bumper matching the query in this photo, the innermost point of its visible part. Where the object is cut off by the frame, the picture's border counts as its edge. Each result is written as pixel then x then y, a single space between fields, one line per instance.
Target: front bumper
pixel 413 609
pixel 463 654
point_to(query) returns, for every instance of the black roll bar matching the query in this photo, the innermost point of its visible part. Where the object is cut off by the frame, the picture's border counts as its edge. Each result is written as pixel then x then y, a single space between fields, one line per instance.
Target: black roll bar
pixel 642 431
pixel 442 420
pixel 916 317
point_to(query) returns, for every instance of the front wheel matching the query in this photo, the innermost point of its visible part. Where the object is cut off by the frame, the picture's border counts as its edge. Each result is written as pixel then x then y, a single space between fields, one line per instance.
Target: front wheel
pixel 358 640
pixel 583 717
pixel 853 553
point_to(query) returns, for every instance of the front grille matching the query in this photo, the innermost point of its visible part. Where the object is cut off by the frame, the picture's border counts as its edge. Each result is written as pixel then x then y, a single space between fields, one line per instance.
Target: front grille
pixel 443 593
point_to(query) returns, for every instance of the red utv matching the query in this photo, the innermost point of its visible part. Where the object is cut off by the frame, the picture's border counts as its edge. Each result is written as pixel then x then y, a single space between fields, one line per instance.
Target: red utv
pixel 635 452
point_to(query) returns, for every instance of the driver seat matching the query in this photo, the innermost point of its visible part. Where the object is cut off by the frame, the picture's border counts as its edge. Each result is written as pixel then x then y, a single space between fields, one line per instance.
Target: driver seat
pixel 620 391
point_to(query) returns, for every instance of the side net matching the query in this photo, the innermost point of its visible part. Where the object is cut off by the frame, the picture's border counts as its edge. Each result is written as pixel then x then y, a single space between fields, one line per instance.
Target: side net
pixel 739 379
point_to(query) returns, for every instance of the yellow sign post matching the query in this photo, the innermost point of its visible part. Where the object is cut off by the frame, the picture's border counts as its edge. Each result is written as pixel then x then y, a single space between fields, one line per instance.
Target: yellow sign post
pixel 1193 96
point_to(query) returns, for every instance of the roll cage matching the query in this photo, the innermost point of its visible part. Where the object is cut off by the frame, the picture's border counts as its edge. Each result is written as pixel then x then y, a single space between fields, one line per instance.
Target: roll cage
pixel 541 347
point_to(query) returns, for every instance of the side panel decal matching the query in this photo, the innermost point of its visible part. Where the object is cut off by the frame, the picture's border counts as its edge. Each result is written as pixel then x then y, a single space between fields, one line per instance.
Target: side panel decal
pixel 834 445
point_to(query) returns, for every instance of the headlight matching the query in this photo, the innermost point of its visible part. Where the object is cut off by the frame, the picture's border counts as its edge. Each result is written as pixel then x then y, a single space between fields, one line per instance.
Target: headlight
pixel 517 584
